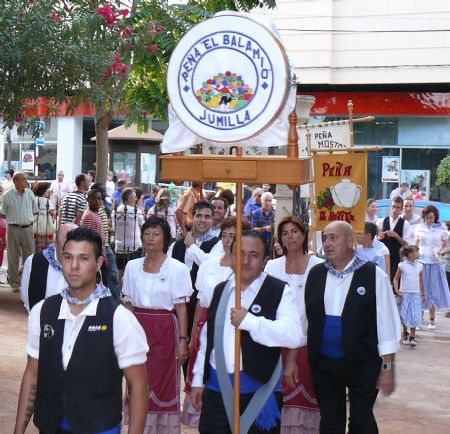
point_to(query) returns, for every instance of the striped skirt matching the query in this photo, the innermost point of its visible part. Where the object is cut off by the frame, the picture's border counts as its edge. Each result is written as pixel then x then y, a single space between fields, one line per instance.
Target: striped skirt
pixel 411 310
pixel 436 286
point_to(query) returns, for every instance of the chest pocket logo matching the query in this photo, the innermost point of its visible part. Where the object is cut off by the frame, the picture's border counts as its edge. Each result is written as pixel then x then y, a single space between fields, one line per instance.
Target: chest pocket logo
pixel 256 308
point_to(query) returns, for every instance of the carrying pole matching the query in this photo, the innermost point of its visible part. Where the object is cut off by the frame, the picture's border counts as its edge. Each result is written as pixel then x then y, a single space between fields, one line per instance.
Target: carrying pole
pixel 237 336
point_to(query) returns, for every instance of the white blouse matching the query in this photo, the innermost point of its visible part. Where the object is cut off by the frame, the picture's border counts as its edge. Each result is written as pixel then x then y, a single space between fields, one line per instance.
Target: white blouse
pixel 210 274
pixel 430 241
pixel 277 268
pixel 162 290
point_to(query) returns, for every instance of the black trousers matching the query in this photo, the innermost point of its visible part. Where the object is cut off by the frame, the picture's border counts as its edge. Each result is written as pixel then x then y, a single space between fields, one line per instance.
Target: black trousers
pixel 213 418
pixel 331 377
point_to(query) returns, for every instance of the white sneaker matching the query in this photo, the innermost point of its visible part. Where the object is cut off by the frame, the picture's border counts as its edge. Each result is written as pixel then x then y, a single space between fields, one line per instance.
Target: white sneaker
pixel 418 328
pixel 431 326
pixel 412 343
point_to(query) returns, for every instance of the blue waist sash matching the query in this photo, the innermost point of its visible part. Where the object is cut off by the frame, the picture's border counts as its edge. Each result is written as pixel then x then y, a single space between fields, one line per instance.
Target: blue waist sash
pixel 269 415
pixel 64 424
pixel 332 337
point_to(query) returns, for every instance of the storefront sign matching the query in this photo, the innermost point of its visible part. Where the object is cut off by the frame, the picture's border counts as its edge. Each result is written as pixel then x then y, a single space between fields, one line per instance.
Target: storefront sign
pixel 391 169
pixel 340 183
pixel 27 161
pixel 228 80
pixel 326 136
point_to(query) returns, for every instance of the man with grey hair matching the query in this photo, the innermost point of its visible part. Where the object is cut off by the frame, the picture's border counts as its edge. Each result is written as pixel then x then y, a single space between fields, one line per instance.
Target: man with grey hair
pixel 353 332
pixel 262 219
pixel 254 203
pixel 18 208
pixel 59 188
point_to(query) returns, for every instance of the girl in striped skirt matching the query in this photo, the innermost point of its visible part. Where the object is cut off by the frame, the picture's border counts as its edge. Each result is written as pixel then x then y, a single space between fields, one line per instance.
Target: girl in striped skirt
pixel 411 292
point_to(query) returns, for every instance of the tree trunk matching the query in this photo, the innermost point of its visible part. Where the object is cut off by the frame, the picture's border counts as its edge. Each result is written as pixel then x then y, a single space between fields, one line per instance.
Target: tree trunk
pixel 102 122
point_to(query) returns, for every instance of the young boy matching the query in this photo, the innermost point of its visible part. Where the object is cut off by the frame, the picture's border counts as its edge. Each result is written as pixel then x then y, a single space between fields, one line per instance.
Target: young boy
pixel 371 252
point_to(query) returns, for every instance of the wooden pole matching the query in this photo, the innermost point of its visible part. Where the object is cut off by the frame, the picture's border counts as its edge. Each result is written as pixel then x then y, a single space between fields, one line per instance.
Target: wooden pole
pixel 350 119
pixel 312 199
pixel 237 336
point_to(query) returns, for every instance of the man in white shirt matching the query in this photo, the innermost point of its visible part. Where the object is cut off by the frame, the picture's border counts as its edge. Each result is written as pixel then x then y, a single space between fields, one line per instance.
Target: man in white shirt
pixel 401 191
pixel 73 378
pixel 394 233
pixel 269 320
pixel 59 188
pixel 220 205
pixel 42 274
pixel 353 331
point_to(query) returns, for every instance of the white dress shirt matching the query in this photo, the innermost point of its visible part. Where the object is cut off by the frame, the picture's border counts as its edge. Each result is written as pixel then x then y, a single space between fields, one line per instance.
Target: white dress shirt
pixel 130 342
pixel 392 223
pixel 55 282
pixel 162 290
pixel 284 331
pixel 194 254
pixel 388 320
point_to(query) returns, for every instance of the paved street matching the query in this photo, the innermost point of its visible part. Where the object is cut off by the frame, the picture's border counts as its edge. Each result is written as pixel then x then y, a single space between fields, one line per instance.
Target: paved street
pixel 420 404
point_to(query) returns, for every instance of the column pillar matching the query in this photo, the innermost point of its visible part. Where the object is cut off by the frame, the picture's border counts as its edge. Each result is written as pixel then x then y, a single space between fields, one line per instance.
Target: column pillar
pixel 70 146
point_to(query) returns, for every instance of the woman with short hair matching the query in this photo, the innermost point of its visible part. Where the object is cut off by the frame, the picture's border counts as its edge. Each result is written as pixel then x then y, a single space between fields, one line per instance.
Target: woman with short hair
pixel 157 288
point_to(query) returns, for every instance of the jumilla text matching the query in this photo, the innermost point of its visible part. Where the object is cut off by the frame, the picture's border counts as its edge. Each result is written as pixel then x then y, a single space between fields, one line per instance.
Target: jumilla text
pixel 337 169
pixel 227 40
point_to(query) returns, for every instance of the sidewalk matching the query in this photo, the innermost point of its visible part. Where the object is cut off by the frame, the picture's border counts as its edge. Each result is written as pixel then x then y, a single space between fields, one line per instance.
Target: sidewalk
pixel 419 405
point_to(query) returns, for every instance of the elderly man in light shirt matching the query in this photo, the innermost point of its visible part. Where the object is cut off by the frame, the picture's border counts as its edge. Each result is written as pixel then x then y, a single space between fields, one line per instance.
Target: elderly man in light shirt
pixel 18 208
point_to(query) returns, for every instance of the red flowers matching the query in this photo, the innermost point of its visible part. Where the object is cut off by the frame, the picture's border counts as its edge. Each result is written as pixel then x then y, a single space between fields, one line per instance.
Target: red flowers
pixel 124 12
pixel 153 48
pixel 108 14
pixel 54 16
pixel 126 33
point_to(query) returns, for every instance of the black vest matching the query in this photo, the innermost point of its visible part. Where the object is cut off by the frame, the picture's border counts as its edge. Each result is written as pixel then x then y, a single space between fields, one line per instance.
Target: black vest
pixel 37 285
pixel 359 316
pixel 258 360
pixel 391 243
pixel 179 251
pixel 92 383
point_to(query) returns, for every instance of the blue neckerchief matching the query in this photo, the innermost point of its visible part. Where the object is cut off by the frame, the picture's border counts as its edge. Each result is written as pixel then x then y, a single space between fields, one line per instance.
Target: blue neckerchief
pixel 269 414
pixel 357 263
pixel 205 237
pixel 50 254
pixel 101 291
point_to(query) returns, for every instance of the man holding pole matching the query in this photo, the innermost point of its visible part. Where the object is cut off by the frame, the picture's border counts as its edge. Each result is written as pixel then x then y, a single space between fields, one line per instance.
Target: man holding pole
pixel 268 320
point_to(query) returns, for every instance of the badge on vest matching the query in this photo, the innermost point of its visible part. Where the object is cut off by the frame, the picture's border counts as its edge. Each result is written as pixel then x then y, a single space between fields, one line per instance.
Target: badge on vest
pixel 256 308
pixel 48 331
pixel 361 290
pixel 97 328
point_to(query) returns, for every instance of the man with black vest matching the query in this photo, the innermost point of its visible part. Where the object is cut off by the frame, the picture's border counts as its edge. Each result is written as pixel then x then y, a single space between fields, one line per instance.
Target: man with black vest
pixel 269 320
pixel 353 332
pixel 42 274
pixel 394 231
pixel 80 344
pixel 194 248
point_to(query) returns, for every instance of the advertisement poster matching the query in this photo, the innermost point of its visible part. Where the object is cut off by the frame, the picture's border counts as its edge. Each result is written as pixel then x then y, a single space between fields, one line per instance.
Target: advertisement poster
pixel 419 177
pixel 27 161
pixel 340 183
pixel 391 169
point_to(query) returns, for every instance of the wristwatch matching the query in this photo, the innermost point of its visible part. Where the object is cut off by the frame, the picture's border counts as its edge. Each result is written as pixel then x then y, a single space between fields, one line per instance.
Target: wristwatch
pixel 388 366
pixel 184 338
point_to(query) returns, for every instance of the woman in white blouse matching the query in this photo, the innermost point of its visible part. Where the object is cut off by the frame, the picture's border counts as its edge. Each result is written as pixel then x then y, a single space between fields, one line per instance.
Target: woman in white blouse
pixel 157 289
pixel 432 239
pixel 371 211
pixel 210 273
pixel 300 413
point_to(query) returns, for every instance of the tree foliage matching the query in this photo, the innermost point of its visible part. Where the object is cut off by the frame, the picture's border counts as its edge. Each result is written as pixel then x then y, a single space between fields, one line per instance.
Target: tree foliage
pixel 443 172
pixel 110 54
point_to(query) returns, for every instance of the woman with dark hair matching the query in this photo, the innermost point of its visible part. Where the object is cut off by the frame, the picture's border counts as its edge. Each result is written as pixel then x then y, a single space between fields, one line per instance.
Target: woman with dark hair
pixel 229 196
pixel 415 193
pixel 43 226
pixel 300 413
pixel 8 182
pixel 157 289
pixel 211 272
pixel 432 239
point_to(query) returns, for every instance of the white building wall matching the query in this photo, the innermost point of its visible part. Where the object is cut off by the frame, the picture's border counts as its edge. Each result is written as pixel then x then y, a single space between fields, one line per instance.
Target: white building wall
pixel 70 141
pixel 387 41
